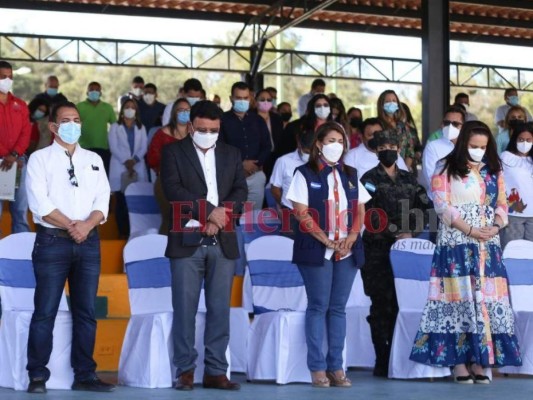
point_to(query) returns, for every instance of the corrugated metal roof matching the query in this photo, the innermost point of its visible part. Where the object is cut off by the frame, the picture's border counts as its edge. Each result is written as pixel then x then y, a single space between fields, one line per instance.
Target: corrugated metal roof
pixel 482 20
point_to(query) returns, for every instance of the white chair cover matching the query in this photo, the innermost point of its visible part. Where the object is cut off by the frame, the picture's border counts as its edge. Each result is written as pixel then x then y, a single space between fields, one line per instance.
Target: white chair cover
pixel 276 340
pixel 147 351
pixel 411 264
pixel 518 260
pixel 359 346
pixel 252 225
pixel 17 287
pixel 143 211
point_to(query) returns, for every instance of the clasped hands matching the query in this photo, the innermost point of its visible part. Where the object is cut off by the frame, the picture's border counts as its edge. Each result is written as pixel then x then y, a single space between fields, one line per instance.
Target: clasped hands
pixel 484 234
pixel 216 221
pixel 342 246
pixel 79 230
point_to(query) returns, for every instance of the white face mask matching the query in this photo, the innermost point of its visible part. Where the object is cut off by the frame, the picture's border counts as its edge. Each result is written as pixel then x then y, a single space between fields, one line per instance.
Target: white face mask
pixel 524 147
pixel 5 85
pixel 136 91
pixel 149 98
pixel 333 151
pixel 129 113
pixel 204 140
pixel 476 154
pixel 450 132
pixel 322 112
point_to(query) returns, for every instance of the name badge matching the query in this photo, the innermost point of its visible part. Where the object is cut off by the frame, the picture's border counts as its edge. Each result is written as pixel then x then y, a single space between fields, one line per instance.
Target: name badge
pixel 316 185
pixel 370 187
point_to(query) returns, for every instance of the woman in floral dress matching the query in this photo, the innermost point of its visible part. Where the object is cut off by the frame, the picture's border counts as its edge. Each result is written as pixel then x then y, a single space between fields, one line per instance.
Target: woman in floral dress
pixel 468 322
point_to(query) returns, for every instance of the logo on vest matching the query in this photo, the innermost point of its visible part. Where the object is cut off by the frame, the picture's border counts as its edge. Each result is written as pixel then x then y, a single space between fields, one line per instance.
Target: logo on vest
pixel 316 185
pixel 370 187
pixel 351 186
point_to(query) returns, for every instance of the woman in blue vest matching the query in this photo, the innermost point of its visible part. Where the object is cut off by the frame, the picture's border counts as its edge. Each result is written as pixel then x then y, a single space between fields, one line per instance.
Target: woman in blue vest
pixel 329 203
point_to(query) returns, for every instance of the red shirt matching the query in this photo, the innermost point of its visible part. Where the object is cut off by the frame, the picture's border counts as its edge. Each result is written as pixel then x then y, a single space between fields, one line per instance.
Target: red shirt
pixel 15 127
pixel 153 157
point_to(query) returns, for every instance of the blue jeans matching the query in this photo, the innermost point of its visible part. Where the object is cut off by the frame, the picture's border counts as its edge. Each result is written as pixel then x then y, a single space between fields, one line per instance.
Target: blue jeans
pixel 19 207
pixel 56 259
pixel 328 289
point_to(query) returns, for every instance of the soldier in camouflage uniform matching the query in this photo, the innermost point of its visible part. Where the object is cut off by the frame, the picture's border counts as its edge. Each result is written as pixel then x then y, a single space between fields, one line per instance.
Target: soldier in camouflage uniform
pixel 394 194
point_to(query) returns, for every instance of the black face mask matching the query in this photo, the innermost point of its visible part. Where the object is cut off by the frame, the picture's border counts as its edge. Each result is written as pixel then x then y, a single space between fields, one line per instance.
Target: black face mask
pixel 356 122
pixel 387 157
pixel 372 144
pixel 514 123
pixel 286 116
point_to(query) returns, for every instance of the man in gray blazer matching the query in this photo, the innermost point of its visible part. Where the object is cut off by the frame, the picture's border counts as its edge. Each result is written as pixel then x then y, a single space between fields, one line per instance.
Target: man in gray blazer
pixel 204 182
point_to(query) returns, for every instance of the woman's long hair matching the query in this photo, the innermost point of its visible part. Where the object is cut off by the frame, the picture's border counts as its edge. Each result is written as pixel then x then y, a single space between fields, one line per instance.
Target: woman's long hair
pixel 399 115
pixel 121 119
pixel 173 122
pixel 525 127
pixel 309 120
pixel 508 116
pixel 321 133
pixel 456 163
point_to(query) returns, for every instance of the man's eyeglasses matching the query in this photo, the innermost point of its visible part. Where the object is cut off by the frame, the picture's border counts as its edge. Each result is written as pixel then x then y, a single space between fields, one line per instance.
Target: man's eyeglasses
pixel 456 124
pixel 71 176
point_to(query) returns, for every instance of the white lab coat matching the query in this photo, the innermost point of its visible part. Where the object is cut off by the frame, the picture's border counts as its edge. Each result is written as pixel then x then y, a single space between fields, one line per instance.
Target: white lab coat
pixel 120 153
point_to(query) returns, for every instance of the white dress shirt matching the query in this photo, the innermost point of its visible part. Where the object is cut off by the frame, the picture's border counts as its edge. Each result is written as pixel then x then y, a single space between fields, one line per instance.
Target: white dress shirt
pixel 283 173
pixel 302 103
pixel 298 193
pixel 364 160
pixel 49 187
pixel 434 151
pixel 165 119
pixel 208 163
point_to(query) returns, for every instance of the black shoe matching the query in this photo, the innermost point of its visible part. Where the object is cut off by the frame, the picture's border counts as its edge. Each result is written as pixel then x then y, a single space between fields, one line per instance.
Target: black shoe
pixel 37 386
pixel 93 385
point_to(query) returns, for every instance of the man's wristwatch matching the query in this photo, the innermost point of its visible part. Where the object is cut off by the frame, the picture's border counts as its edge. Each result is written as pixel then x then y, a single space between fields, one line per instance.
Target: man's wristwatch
pixel 15 154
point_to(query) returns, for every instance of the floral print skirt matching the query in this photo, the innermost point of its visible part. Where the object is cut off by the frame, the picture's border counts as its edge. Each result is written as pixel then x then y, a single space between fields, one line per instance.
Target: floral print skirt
pixel 468 317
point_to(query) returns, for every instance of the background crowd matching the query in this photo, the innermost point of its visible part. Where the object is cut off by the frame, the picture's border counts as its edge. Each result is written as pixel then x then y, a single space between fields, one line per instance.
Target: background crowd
pixel 384 150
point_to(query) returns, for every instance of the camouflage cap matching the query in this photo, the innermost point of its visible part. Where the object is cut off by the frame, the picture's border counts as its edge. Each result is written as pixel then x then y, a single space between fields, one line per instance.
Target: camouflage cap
pixel 387 136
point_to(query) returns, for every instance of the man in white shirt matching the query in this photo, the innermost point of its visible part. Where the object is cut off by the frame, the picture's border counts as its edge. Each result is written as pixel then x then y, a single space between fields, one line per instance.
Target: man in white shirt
pixel 68 194
pixel 283 172
pixel 318 86
pixel 192 90
pixel 281 179
pixel 511 99
pixel 436 150
pixel 364 157
pixel 464 100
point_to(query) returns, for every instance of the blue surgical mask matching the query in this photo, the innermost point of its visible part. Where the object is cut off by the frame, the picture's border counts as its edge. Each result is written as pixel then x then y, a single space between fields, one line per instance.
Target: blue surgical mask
pixel 513 100
pixel 390 107
pixel 93 95
pixel 38 114
pixel 51 91
pixel 69 132
pixel 241 106
pixel 184 117
pixel 193 100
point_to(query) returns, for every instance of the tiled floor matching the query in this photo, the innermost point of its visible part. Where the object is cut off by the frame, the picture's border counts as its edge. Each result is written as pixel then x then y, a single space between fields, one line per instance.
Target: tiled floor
pixel 365 387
